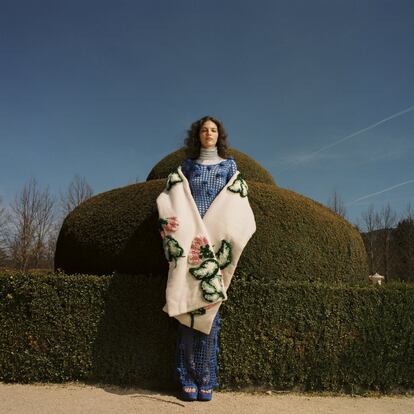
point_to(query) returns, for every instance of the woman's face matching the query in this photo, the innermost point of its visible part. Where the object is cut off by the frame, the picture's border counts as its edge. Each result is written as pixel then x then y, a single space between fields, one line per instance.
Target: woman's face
pixel 208 135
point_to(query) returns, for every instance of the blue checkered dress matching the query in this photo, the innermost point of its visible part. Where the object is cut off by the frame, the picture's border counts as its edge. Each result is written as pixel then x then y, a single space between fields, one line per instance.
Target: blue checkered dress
pixel 196 352
pixel 206 181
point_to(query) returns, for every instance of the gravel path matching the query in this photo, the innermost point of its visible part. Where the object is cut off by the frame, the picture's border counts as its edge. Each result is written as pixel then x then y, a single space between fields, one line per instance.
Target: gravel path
pixel 75 398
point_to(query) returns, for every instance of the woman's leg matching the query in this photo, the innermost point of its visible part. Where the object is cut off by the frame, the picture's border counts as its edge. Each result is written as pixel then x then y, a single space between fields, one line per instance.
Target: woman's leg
pixel 196 358
pixel 185 362
pixel 206 349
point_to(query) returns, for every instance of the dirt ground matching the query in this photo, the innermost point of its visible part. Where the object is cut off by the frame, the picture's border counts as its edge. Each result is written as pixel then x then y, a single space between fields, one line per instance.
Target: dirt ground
pixel 76 398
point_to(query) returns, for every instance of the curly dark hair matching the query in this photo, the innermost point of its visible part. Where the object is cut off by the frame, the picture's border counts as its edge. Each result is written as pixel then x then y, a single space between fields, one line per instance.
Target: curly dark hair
pixel 192 142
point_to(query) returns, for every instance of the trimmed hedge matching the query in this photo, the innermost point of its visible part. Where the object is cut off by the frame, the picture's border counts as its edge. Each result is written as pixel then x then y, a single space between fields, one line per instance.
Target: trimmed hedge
pixel 319 337
pixel 308 336
pixel 60 328
pixel 296 238
pixel 113 231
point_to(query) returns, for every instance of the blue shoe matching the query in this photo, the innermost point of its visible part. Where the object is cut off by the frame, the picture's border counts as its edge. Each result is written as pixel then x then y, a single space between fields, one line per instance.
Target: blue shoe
pixel 188 395
pixel 205 394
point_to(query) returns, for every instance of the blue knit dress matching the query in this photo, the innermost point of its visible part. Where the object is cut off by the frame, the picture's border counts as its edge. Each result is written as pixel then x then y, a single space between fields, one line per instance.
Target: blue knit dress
pixel 196 352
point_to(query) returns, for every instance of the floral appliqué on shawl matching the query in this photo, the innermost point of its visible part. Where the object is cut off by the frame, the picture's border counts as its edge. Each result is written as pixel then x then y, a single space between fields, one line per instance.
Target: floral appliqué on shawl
pixel 172 248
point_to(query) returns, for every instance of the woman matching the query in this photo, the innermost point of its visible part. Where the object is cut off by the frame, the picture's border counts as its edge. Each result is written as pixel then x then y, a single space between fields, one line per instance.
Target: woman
pixel 207 171
pixel 203 242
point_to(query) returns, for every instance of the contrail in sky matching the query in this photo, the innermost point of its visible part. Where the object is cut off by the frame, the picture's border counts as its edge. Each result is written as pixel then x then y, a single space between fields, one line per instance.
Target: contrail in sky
pixel 354 134
pixel 380 192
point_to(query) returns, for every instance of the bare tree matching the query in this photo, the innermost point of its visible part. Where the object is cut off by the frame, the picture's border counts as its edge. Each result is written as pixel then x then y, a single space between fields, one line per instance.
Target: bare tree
pixel 44 225
pixel 370 224
pixel 402 247
pixel 409 212
pixel 337 204
pixel 387 222
pixel 3 232
pixel 3 218
pixel 31 221
pixel 387 217
pixel 78 191
pixel 23 228
pixel 52 240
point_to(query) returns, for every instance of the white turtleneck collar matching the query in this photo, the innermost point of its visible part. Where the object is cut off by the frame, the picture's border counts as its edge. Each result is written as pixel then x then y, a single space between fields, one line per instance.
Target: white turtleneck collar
pixel 209 156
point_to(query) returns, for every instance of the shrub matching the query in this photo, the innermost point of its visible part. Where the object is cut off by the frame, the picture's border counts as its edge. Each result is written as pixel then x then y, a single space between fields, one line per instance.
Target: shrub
pixel 280 335
pixel 296 238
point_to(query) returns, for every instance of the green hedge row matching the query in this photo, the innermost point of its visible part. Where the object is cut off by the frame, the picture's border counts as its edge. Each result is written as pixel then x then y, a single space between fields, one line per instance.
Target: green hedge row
pixel 319 337
pixel 111 329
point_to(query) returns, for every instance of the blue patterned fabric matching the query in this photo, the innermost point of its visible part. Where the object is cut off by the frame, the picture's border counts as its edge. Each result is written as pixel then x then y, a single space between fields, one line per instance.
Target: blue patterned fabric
pixel 196 356
pixel 206 181
pixel 196 352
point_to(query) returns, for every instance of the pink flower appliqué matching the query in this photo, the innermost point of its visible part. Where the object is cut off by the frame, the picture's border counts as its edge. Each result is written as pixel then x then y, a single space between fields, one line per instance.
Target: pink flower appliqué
pixel 197 245
pixel 168 225
pixel 171 225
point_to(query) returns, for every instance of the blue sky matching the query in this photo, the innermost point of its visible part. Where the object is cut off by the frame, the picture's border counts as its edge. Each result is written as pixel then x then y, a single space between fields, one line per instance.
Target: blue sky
pixel 105 89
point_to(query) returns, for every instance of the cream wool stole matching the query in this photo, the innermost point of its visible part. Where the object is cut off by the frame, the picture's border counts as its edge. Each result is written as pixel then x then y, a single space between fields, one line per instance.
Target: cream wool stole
pixel 202 252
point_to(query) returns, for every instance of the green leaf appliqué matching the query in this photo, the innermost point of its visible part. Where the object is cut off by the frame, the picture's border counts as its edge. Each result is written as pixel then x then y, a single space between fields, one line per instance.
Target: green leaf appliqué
pixel 224 254
pixel 173 178
pixel 239 186
pixel 207 269
pixel 172 249
pixel 211 282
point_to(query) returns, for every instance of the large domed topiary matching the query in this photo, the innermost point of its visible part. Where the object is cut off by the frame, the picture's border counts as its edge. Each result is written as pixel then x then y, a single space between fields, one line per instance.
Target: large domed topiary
pixel 297 238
